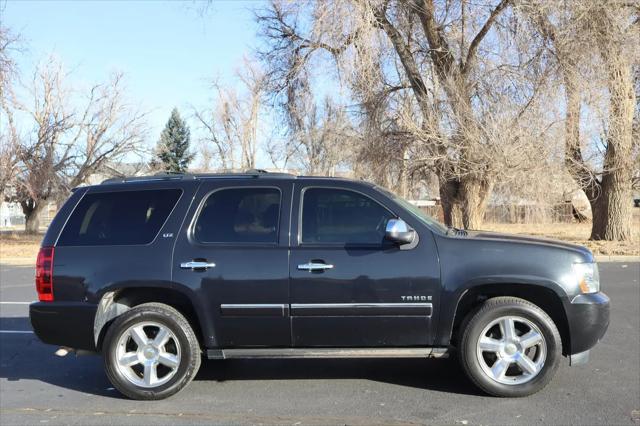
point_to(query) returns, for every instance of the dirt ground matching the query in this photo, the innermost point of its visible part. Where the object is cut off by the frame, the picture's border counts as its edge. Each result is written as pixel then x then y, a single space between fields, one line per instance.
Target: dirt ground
pixel 19 248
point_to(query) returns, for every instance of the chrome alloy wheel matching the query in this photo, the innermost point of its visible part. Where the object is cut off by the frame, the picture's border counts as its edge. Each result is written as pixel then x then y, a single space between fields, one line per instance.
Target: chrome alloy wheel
pixel 148 354
pixel 511 350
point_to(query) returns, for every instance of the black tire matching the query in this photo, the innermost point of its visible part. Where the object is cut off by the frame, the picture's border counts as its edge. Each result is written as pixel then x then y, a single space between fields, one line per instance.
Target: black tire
pixel 490 311
pixel 176 323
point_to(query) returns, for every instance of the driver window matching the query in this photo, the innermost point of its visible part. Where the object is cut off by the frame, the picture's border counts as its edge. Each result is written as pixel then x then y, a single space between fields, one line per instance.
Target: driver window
pixel 341 216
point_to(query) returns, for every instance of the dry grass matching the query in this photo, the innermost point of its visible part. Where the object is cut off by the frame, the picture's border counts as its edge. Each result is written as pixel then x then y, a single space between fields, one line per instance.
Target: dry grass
pixel 19 248
pixel 577 233
pixel 573 233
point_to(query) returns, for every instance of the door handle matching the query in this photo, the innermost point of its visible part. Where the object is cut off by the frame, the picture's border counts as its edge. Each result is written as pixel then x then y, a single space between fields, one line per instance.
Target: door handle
pixel 312 266
pixel 197 265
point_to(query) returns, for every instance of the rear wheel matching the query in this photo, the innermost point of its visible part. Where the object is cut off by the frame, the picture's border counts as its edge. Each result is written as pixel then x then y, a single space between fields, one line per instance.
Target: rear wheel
pixel 151 352
pixel 510 347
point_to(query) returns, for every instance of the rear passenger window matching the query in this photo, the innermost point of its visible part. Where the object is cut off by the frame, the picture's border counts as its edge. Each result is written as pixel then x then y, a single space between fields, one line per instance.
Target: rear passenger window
pixel 341 216
pixel 239 215
pixel 119 218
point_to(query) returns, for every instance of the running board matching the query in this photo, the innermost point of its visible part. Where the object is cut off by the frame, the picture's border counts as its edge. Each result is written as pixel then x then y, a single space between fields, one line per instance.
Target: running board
pixel 328 353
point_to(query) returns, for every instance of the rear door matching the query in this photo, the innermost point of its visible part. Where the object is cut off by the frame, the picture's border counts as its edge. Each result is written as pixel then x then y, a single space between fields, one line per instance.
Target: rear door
pixel 350 288
pixel 233 251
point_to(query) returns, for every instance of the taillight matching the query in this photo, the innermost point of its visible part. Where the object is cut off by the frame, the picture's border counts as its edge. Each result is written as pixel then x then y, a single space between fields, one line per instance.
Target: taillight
pixel 44 274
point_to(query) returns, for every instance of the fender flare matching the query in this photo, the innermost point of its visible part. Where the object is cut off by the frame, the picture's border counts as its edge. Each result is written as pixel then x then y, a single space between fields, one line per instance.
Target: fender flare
pixel 109 309
pixel 445 331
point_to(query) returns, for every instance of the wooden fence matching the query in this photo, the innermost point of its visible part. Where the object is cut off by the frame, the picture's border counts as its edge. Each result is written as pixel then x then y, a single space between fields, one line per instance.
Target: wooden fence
pixel 512 213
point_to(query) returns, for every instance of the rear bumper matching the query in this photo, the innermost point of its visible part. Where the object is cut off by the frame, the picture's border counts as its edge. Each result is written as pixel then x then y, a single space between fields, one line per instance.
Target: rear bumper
pixel 588 316
pixel 67 324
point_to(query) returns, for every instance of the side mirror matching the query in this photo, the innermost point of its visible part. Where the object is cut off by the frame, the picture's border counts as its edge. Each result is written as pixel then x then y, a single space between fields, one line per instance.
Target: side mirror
pixel 399 232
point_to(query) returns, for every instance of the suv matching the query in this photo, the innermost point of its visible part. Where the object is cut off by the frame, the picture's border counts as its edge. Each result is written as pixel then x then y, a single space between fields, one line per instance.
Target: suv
pixel 155 272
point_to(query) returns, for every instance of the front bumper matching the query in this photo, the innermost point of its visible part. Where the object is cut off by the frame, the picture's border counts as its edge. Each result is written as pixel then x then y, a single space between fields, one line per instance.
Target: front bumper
pixel 67 324
pixel 588 316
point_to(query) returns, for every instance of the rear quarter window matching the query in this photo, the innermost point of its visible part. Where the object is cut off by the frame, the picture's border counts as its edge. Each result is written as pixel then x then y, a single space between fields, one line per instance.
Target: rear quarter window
pixel 119 218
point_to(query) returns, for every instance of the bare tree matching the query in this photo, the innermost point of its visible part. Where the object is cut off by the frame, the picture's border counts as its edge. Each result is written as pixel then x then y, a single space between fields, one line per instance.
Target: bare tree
pixel 320 137
pixel 433 51
pixel 9 136
pixel 590 39
pixel 232 125
pixel 9 148
pixel 390 152
pixel 69 143
pixel 9 44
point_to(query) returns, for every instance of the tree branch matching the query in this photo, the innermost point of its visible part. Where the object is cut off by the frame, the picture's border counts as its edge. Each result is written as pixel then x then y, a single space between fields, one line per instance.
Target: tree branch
pixel 473 47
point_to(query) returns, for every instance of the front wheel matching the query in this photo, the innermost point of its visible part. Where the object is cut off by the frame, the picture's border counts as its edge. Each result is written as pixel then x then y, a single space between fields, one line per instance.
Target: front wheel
pixel 151 352
pixel 510 347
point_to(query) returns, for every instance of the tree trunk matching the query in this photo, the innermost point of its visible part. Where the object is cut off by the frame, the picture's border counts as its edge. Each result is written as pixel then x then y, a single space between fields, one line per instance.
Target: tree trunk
pixel 610 197
pixel 474 194
pixel 612 209
pixel 402 178
pixel 612 215
pixel 612 212
pixel 32 210
pixel 572 151
pixel 464 201
pixel 456 216
pixel 449 194
pixel 573 159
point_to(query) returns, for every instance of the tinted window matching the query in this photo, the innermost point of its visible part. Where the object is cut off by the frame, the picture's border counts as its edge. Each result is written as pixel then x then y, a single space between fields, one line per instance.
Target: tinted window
pixel 241 215
pixel 341 216
pixel 119 218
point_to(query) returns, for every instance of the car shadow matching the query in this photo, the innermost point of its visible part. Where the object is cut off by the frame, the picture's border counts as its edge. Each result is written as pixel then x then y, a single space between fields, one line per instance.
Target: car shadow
pixel 443 375
pixel 24 357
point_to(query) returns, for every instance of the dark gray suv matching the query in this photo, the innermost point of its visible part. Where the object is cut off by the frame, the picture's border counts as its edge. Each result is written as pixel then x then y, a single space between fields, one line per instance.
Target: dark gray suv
pixel 157 272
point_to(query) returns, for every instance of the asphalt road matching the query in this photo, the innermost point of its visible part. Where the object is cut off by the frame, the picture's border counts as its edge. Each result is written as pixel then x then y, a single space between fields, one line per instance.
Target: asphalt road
pixel 37 387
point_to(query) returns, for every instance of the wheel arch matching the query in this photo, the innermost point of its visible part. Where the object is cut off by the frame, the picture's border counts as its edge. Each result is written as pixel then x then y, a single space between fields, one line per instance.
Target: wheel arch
pixel 544 297
pixel 115 302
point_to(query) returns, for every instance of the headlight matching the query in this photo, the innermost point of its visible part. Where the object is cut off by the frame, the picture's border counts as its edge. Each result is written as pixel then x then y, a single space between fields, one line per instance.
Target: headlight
pixel 586 274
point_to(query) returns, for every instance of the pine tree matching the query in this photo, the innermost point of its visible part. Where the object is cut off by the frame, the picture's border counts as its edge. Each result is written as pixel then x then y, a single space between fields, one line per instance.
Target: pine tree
pixel 173 147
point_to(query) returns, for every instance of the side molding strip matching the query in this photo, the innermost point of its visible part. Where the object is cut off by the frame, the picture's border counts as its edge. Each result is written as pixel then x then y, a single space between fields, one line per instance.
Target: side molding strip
pixel 254 310
pixel 328 353
pixel 361 309
pixel 325 309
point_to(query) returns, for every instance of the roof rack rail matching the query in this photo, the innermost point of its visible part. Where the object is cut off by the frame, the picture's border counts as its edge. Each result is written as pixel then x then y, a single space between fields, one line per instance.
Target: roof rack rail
pixel 252 173
pixel 266 173
pixel 169 172
pixel 157 176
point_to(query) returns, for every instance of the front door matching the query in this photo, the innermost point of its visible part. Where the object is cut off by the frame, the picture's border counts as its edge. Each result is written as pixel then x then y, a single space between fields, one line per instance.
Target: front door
pixel 349 287
pixel 233 251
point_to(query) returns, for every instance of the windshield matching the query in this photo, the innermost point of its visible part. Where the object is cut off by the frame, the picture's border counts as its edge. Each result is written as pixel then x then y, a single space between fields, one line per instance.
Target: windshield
pixel 414 210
